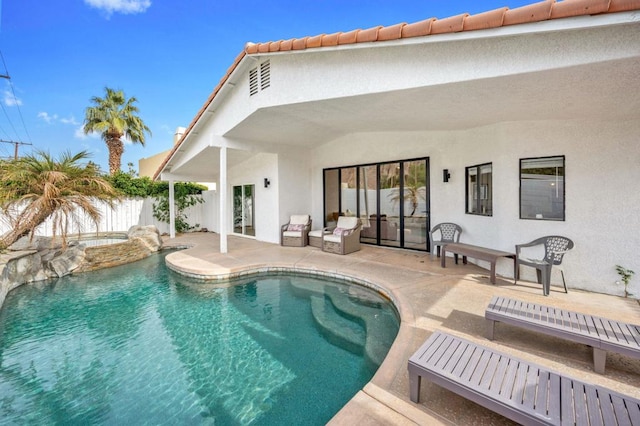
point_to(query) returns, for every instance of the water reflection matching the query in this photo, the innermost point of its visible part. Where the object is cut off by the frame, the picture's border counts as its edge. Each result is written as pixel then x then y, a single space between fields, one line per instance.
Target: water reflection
pixel 137 344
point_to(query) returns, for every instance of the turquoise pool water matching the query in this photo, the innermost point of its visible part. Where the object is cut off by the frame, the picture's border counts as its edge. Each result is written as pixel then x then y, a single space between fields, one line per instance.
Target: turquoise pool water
pixel 139 344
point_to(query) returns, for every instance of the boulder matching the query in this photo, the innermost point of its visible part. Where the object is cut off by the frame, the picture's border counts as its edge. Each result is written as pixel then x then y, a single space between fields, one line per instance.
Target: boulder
pixel 67 261
pixel 148 235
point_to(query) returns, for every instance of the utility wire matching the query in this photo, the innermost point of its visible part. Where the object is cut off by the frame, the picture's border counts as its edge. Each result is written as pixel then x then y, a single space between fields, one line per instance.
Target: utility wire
pixel 15 99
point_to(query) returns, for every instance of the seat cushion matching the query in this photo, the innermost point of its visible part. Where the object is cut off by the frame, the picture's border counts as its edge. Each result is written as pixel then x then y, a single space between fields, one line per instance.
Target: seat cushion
pixel 332 238
pixel 299 219
pixel 347 222
pixel 316 233
pixel 296 234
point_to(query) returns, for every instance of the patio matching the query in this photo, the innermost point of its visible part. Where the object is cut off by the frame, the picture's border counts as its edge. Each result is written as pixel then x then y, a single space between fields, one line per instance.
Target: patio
pixel 428 298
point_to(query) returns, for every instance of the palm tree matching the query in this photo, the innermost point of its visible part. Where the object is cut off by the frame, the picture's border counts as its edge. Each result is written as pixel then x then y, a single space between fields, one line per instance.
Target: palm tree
pixel 37 187
pixel 115 116
pixel 414 186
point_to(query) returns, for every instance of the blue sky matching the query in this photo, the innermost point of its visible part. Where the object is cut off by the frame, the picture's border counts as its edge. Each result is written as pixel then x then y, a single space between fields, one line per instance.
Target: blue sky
pixel 168 54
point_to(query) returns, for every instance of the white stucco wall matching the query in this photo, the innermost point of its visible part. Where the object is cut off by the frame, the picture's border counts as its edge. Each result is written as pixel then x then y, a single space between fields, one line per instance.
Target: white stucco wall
pixel 294 181
pixel 253 171
pixel 602 202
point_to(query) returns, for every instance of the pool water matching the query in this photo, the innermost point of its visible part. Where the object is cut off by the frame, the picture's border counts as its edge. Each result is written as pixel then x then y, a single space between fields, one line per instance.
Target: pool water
pixel 138 344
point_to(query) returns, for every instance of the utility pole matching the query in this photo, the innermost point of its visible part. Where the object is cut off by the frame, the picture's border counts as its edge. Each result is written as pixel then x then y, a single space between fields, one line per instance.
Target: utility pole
pixel 16 144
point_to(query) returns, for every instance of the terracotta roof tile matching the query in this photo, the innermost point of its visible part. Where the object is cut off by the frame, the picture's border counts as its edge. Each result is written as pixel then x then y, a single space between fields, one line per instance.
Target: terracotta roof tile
pixel 536 12
pixel 275 46
pixel 452 24
pixel 314 41
pixel 300 43
pixel 531 13
pixel 368 35
pixel 568 8
pixel 251 48
pixel 623 5
pixel 418 29
pixel 394 32
pixel 481 21
pixel 286 45
pixel 348 38
pixel 330 39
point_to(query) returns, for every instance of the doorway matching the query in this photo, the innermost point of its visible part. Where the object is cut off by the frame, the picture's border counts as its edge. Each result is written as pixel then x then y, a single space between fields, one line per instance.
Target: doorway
pixel 243 210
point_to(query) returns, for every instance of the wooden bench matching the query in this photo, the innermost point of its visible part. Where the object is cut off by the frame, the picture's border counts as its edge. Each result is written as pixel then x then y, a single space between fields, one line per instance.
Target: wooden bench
pixel 519 390
pixel 600 333
pixel 476 252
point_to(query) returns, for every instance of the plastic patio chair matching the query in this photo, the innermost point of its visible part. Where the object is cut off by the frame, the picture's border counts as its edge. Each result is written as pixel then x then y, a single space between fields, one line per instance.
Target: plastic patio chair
pixel 555 247
pixel 449 233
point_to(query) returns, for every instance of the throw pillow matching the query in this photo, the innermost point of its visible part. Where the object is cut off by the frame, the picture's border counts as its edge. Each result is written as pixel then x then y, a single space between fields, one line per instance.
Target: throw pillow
pixel 295 227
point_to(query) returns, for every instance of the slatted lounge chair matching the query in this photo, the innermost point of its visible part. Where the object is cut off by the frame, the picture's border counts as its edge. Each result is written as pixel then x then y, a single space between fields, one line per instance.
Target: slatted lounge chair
pixel 295 233
pixel 600 333
pixel 519 390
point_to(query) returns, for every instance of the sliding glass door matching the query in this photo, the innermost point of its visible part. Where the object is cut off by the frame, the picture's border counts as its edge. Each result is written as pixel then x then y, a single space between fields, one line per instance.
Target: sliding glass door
pixel 243 210
pixel 391 199
pixel 415 211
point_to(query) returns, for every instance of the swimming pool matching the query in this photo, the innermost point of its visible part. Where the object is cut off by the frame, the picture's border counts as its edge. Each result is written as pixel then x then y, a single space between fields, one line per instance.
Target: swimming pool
pixel 138 344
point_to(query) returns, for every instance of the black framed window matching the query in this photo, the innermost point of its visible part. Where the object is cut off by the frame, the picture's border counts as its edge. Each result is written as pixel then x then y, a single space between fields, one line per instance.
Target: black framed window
pixel 542 188
pixel 479 189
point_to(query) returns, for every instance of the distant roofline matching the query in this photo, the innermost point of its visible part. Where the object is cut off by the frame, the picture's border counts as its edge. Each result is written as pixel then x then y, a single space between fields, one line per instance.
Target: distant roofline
pixel 502 17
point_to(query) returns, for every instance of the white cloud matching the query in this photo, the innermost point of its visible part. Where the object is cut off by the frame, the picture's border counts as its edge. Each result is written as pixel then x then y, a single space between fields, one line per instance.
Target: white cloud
pixel 9 99
pixel 46 117
pixel 120 6
pixel 71 120
pixel 55 118
pixel 79 133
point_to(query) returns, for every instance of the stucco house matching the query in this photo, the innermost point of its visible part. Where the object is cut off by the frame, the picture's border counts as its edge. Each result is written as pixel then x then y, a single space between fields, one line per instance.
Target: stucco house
pixel 512 123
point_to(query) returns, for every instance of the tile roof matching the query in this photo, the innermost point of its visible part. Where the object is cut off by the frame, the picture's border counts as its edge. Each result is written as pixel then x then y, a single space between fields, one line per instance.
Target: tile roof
pixel 535 12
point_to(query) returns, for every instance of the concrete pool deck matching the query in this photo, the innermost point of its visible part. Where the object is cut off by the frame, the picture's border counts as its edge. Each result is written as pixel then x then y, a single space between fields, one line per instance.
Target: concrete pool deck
pixel 428 298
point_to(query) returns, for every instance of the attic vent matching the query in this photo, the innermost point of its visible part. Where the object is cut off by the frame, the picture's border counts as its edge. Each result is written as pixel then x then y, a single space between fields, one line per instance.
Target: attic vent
pixel 265 75
pixel 253 81
pixel 259 81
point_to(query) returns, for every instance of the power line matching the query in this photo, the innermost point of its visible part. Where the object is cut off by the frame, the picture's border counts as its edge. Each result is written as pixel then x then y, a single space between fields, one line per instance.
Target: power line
pixel 15 98
pixel 16 145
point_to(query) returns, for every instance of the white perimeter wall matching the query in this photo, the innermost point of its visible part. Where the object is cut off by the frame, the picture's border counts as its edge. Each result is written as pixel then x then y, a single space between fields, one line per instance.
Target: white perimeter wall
pixel 131 212
pixel 602 201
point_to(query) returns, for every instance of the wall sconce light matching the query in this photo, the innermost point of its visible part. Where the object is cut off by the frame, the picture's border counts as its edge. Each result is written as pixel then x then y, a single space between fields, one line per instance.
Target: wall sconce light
pixel 266 183
pixel 446 175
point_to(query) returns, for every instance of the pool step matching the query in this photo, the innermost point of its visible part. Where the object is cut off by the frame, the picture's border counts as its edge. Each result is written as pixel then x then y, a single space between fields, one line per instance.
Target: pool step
pixel 334 327
pixel 376 345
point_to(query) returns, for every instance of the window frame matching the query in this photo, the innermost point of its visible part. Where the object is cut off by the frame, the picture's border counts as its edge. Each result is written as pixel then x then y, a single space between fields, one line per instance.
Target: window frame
pixel 564 188
pixel 474 199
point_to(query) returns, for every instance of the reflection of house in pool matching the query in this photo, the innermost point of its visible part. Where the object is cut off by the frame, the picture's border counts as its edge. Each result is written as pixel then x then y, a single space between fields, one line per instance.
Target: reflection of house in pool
pixel 365 122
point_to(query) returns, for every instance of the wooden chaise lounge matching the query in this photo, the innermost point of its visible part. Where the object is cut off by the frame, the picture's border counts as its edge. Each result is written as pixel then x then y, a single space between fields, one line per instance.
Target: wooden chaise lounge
pixel 517 389
pixel 600 333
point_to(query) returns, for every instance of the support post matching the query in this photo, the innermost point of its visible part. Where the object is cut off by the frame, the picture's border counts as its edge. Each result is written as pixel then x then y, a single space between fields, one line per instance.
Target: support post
pixel 172 210
pixel 223 199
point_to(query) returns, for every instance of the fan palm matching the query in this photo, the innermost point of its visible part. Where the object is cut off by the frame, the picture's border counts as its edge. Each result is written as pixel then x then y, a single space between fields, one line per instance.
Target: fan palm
pixel 37 187
pixel 115 117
